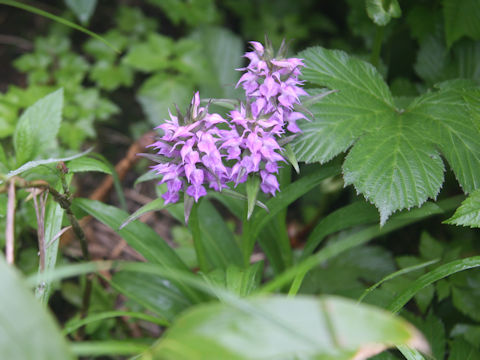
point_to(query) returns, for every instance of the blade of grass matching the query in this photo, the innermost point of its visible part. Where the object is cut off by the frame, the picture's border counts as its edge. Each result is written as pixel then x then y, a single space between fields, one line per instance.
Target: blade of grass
pixel 431 277
pixel 395 274
pixel 58 19
pixel 298 272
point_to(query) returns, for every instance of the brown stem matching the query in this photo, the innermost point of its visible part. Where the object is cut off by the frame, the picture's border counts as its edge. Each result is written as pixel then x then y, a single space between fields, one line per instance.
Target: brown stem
pixel 10 228
pixel 78 231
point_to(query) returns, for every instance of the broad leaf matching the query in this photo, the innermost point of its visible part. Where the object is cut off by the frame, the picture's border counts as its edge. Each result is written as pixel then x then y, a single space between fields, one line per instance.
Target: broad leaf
pixel 27 331
pixel 382 11
pixel 468 214
pixel 284 328
pixel 38 127
pixel 223 51
pixel 152 55
pixel 159 92
pixel 462 18
pixel 395 159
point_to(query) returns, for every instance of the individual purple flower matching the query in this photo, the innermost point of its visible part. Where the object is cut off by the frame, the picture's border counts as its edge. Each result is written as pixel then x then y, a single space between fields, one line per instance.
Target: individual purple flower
pixel 190 158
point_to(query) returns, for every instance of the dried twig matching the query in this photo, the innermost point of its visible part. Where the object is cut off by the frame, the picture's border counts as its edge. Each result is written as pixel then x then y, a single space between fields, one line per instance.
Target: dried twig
pixel 10 228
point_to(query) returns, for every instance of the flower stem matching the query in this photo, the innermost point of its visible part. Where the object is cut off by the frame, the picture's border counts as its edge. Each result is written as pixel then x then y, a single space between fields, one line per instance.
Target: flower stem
pixel 247 242
pixel 377 46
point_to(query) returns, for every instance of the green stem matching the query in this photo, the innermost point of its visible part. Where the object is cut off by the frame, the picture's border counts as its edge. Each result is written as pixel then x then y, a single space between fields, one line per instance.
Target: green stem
pixel 248 242
pixel 194 226
pixel 377 46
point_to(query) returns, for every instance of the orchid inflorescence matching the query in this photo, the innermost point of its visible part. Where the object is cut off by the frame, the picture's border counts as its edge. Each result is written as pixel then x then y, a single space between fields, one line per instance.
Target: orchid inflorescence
pixel 202 149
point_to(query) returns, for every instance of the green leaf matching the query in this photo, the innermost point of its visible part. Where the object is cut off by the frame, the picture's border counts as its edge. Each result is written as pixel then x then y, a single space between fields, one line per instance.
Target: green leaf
pixel 468 214
pixel 239 281
pixel 382 11
pixel 152 55
pixel 108 348
pixel 357 213
pixel 159 92
pixel 223 50
pixel 38 126
pixel 53 223
pixel 462 18
pixel 109 76
pixel 252 187
pixel 217 239
pixel 153 292
pixel 298 272
pixel 22 318
pixel 288 195
pixel 394 275
pixel 85 164
pixel 395 159
pixel 83 9
pixel 33 164
pixel 154 205
pixel 71 326
pixel 460 349
pixel 220 331
pixel 430 277
pixel 466 293
pixel 138 235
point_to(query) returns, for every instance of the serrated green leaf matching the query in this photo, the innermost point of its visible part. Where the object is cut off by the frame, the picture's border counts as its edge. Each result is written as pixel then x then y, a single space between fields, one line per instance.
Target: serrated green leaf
pixel 219 331
pixel 38 126
pixel 462 18
pixel 382 11
pixel 395 159
pixel 360 104
pixel 468 214
pixel 394 169
pixel 21 317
